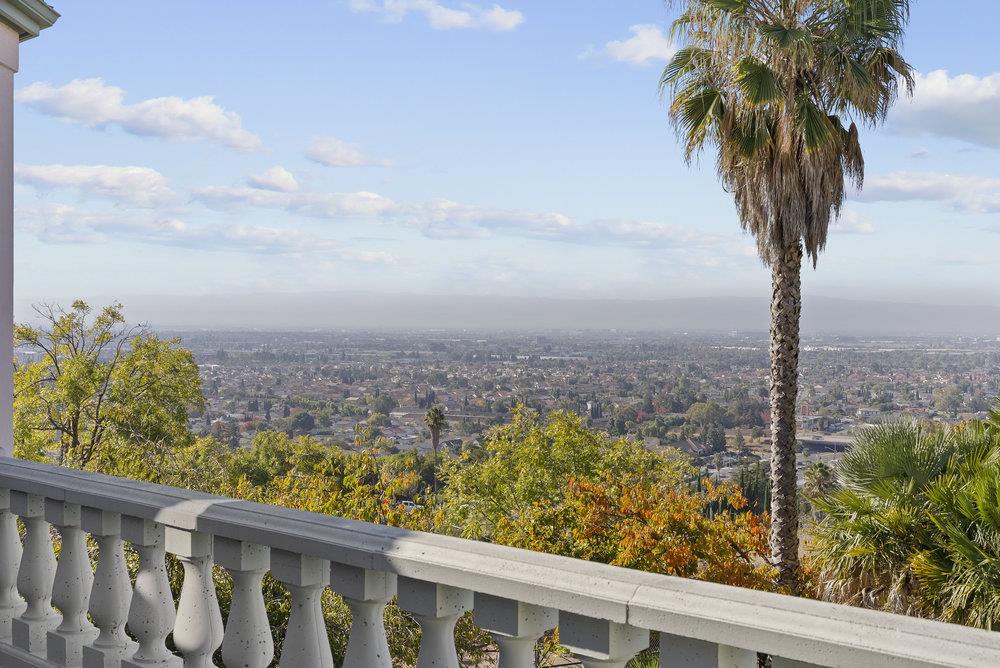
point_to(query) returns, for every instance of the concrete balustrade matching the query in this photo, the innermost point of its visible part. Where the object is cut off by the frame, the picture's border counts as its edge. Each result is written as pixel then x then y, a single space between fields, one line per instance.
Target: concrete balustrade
pixel 600 643
pixel 111 593
pixel 73 583
pixel 198 630
pixel 35 576
pixel 306 641
pixel 436 607
pixel 681 652
pixel 604 614
pixel 366 593
pixel 515 626
pixel 247 640
pixel 151 613
pixel 11 603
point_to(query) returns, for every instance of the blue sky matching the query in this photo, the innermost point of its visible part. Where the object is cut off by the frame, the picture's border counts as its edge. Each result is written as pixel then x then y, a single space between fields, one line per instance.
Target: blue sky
pixel 438 146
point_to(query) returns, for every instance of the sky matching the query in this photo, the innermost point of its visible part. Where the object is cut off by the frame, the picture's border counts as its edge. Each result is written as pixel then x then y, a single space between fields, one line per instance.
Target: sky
pixel 451 147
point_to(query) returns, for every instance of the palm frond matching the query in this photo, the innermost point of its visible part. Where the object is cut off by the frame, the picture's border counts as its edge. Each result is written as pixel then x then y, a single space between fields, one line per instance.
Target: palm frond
pixel 757 82
pixel 790 82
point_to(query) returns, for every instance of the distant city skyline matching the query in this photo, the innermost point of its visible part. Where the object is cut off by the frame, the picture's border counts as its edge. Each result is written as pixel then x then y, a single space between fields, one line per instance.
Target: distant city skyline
pixel 443 147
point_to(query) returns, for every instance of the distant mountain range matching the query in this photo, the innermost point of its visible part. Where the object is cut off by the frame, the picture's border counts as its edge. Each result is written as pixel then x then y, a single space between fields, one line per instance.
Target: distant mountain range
pixel 710 314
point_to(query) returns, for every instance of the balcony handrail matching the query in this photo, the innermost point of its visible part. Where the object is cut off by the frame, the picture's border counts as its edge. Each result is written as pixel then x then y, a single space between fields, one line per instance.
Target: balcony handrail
pixel 805 630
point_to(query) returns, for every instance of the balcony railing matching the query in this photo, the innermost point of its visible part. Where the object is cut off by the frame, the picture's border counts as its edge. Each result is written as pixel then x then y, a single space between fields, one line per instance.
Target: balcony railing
pixel 604 613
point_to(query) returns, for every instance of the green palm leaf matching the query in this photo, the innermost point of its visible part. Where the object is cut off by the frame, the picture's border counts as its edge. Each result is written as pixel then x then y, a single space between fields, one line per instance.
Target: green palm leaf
pixel 757 82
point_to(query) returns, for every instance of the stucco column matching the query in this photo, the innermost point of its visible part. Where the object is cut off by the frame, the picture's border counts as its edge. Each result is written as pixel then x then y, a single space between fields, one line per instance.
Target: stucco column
pixel 9 39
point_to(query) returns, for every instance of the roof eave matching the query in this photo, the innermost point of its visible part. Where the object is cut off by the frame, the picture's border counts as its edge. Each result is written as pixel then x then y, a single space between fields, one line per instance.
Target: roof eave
pixel 27 17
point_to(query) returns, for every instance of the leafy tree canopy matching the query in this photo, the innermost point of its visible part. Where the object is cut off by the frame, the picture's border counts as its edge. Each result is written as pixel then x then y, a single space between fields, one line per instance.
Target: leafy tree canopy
pixel 93 383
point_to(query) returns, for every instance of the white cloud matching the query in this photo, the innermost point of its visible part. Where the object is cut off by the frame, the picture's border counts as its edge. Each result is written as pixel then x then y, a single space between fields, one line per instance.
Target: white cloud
pixel 333 152
pixel 648 43
pixel 441 17
pixel 140 186
pixel 276 178
pixel 851 222
pixel 972 194
pixel 98 105
pixel 964 107
pixel 59 223
pixel 447 219
pixel 316 205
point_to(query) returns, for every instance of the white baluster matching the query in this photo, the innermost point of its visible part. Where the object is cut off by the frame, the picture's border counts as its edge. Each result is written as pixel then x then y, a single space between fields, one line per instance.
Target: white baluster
pixel 436 608
pixel 198 630
pixel 11 603
pixel 247 642
pixel 35 576
pixel 681 652
pixel 515 626
pixel 600 643
pixel 151 613
pixel 306 641
pixel 71 591
pixel 366 593
pixel 111 594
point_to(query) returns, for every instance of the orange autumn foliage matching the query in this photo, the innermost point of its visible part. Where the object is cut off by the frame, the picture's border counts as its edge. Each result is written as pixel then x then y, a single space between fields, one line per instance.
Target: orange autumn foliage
pixel 652 527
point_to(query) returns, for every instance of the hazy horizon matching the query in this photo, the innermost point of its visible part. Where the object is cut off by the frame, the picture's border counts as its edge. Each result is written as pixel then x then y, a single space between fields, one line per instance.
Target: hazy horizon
pixel 373 310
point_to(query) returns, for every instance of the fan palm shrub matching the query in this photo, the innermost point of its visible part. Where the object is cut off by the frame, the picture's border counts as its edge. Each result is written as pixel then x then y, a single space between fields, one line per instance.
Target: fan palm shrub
pixel 959 575
pixel 914 526
pixel 777 89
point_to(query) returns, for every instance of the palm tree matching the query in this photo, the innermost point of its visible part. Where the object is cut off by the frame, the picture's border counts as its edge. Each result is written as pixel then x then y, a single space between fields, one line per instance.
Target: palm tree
pixel 436 423
pixel 776 88
pixel 819 480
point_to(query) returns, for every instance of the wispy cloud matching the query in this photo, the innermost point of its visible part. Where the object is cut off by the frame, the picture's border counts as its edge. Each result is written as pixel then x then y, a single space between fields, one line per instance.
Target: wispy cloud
pixel 140 186
pixel 448 219
pixel 276 178
pixel 851 222
pixel 96 104
pixel 60 223
pixel 440 16
pixel 648 44
pixel 971 194
pixel 333 152
pixel 964 107
pixel 315 205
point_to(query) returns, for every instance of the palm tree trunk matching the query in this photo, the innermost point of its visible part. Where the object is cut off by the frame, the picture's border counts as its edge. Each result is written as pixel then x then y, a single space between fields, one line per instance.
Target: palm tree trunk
pixel 786 307
pixel 434 469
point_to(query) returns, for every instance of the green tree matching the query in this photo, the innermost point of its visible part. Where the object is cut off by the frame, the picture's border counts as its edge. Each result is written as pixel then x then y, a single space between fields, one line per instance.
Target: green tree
pixel 436 423
pixel 705 414
pixel 303 423
pixel 530 460
pixel 776 88
pixel 97 383
pixel 383 403
pixel 740 445
pixel 948 399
